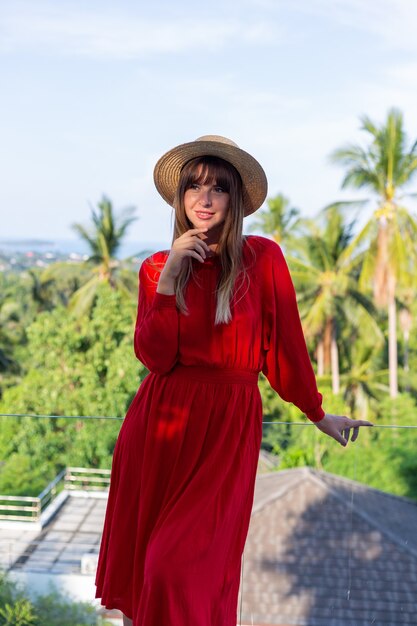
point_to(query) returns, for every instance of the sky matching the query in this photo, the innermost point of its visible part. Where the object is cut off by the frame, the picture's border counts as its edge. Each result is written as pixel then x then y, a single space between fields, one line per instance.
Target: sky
pixel 93 92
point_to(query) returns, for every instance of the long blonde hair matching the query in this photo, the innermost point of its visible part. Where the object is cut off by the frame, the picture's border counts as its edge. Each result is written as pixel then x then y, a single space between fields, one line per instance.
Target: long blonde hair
pixel 209 170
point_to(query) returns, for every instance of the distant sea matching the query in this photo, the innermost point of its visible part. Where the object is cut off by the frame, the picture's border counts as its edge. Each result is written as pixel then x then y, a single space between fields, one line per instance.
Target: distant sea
pixel 77 246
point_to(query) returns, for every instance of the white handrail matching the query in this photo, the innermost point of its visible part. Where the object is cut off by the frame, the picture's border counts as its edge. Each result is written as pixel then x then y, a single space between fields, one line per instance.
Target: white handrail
pixel 70 478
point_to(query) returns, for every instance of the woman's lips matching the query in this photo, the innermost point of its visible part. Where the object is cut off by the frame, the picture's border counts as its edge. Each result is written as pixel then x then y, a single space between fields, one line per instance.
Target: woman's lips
pixel 204 215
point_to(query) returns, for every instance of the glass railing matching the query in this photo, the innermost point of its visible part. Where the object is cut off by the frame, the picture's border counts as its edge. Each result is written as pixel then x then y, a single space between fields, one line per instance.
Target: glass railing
pixel 330 543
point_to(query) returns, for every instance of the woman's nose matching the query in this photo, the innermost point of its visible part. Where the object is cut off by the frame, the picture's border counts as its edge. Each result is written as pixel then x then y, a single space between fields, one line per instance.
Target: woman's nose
pixel 205 198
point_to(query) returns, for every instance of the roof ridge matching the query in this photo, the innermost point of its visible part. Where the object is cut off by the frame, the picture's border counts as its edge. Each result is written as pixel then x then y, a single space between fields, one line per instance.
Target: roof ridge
pixel 280 491
pixel 363 486
pixel 315 476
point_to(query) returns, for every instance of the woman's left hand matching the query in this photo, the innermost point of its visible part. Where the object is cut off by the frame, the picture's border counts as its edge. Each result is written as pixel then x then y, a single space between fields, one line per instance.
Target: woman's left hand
pixel 338 427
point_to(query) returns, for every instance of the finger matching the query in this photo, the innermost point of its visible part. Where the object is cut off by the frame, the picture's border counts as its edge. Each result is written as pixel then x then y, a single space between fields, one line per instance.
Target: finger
pixel 192 244
pixel 342 441
pixel 198 247
pixel 346 434
pixel 355 433
pixel 192 241
pixel 340 438
pixel 196 231
pixel 194 247
pixel 360 423
pixel 195 255
pixel 200 242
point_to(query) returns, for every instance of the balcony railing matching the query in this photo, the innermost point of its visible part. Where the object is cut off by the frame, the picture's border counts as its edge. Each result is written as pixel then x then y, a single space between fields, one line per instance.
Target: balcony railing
pixel 30 508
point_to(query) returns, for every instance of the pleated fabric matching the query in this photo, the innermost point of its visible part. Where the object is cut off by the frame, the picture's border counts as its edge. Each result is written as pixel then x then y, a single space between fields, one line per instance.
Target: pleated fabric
pixel 185 461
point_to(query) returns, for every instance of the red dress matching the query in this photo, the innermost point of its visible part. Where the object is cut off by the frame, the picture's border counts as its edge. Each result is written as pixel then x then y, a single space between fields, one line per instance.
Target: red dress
pixel 185 461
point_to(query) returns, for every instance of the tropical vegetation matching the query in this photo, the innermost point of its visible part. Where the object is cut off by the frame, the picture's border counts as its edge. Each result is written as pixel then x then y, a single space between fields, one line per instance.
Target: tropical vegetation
pixel 385 167
pixel 66 333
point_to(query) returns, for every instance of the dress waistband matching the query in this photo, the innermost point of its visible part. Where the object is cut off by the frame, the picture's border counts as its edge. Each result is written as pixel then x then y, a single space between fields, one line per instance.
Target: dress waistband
pixel 210 374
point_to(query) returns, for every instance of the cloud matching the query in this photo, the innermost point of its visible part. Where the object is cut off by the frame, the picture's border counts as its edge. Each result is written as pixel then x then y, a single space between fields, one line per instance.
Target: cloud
pixel 97 34
pixel 393 21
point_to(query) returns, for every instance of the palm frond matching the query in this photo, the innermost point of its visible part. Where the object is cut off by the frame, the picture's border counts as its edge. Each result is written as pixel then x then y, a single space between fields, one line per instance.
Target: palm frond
pixel 82 300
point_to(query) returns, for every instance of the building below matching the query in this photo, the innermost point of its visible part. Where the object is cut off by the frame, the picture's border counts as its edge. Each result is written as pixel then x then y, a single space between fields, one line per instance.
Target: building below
pixel 326 551
pixel 321 551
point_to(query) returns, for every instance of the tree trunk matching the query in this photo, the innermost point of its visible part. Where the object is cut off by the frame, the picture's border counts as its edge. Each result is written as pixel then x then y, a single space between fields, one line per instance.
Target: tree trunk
pixel 320 359
pixel 382 274
pixel 384 291
pixel 334 357
pixel 392 340
pixel 327 343
pixel 406 363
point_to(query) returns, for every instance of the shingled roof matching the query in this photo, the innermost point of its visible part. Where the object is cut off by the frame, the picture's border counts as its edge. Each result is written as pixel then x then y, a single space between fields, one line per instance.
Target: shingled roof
pixel 326 551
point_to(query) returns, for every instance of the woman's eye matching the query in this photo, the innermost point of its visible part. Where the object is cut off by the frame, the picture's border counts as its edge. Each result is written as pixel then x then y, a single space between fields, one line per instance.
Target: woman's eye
pixel 219 190
pixel 194 186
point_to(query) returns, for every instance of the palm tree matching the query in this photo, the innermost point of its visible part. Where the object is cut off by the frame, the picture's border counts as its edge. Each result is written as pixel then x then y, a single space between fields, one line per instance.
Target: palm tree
pixel 55 284
pixel 385 167
pixel 363 381
pixel 279 220
pixel 328 292
pixel 104 240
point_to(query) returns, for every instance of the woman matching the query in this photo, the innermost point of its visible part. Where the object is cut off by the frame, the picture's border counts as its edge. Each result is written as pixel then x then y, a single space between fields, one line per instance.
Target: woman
pixel 213 312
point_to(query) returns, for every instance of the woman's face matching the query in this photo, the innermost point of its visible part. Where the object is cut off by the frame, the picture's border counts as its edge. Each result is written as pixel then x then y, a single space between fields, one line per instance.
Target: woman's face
pixel 206 205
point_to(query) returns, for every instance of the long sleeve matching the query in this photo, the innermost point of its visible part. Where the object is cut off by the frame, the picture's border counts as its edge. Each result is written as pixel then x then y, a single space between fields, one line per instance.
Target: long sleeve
pixel 157 323
pixel 287 364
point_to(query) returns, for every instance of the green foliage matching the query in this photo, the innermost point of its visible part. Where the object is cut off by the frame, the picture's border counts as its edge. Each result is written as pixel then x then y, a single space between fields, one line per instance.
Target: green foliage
pixel 107 230
pixel 397 446
pixel 55 285
pixel 103 238
pixel 382 458
pixel 66 335
pixel 279 220
pixel 386 163
pixel 326 283
pixel 18 614
pixel 77 367
pixel 386 242
pixel 16 311
pixel 55 610
pixel 52 609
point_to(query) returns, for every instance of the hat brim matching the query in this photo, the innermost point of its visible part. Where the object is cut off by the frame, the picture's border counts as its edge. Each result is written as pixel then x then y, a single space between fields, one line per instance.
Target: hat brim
pixel 168 168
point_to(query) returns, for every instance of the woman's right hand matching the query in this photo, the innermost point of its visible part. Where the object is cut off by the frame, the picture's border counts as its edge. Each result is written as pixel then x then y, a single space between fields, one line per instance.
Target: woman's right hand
pixel 188 244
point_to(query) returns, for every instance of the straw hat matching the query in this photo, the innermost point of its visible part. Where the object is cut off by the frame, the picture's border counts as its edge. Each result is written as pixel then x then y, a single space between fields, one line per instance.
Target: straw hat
pixel 167 171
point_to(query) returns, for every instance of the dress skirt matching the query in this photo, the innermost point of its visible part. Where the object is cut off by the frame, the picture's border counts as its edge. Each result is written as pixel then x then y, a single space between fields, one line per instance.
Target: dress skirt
pixel 180 499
